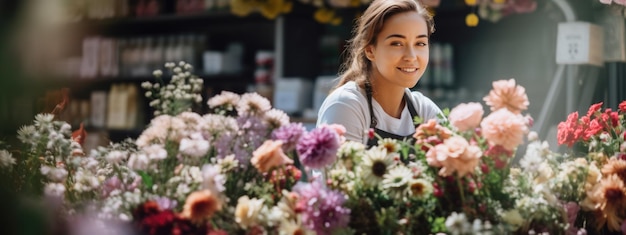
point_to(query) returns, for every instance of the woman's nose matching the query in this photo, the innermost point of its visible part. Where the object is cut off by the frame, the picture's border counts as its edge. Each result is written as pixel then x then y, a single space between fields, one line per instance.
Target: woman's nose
pixel 410 54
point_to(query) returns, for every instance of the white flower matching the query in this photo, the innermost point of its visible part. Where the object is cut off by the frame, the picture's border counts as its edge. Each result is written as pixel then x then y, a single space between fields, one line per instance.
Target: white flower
pixel 116 156
pixel 226 98
pixel 157 73
pixel 138 161
pixel 247 211
pixel 376 164
pixel 6 158
pixel 155 152
pixel 228 163
pixel 54 189
pixel 457 223
pixel 85 181
pixel 396 182
pixel 276 118
pixel 252 104
pixel 533 157
pixel 212 178
pixel 196 148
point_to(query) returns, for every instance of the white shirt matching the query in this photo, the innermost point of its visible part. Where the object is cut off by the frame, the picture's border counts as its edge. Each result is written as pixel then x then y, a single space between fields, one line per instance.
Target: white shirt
pixel 347 105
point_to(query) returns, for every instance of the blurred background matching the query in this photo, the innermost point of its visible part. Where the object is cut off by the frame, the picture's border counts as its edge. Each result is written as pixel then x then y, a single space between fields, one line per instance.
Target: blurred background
pixel 92 55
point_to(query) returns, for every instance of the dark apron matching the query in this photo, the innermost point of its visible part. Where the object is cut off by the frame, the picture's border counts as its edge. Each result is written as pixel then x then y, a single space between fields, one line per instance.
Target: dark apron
pixel 383 134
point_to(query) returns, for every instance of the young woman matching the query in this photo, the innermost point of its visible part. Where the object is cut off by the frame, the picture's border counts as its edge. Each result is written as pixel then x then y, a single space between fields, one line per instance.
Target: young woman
pixel 387 55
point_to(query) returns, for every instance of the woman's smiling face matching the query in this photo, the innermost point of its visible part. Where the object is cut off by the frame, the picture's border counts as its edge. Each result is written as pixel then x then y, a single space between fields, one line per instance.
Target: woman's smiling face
pixel 400 54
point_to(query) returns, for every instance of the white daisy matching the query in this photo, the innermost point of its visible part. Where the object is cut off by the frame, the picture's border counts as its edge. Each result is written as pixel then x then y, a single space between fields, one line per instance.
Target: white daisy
pixel 420 188
pixel 376 163
pixel 391 145
pixel 396 182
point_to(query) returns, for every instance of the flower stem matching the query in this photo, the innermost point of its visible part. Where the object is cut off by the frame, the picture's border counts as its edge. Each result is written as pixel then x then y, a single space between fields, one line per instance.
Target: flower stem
pixel 460 185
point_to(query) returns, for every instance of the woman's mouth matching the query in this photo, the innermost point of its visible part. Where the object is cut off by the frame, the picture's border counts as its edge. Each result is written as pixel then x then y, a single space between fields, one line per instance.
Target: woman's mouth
pixel 408 70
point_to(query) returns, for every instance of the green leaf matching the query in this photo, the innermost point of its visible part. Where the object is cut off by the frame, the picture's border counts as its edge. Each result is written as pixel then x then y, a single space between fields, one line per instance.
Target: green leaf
pixel 146 179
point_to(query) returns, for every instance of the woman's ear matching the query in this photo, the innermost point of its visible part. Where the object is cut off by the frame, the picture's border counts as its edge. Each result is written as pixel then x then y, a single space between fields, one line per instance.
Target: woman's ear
pixel 369 52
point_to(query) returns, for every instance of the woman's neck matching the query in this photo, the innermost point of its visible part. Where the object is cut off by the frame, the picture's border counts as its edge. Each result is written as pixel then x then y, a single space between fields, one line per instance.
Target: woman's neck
pixel 389 96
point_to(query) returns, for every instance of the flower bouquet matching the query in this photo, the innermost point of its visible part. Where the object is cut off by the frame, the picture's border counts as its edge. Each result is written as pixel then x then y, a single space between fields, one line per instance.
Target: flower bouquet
pixel 244 168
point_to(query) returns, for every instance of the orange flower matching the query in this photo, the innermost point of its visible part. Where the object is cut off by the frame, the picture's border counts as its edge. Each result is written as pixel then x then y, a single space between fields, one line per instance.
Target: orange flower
pixel 609 197
pixel 615 167
pixel 506 94
pixel 269 155
pixel 201 205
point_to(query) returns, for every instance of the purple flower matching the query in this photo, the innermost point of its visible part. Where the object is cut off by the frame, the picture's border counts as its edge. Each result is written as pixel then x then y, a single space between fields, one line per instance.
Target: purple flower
pixel 290 135
pixel 318 148
pixel 166 203
pixel 322 208
pixel 572 209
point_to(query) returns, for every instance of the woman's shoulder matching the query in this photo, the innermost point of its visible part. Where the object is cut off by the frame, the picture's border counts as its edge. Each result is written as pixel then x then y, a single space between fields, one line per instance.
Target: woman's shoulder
pixel 347 93
pixel 425 106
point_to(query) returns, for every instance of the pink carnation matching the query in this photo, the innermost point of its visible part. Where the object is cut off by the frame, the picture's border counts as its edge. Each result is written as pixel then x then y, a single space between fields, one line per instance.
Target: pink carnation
pixel 504 128
pixel 466 116
pixel 455 154
pixel 506 94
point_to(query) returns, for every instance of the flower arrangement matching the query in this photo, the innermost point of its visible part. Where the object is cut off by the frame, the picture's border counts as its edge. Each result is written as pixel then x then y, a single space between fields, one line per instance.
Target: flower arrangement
pixel 244 168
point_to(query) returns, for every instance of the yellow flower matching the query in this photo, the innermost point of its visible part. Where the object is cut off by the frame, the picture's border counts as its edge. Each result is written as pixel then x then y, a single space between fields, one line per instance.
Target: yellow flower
pixel 471 20
pixel 241 7
pixel 324 15
pixel 272 8
pixel 470 2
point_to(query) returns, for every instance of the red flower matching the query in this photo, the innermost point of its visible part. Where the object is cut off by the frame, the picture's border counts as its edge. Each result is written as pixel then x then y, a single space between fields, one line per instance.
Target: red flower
pixel 594 108
pixel 594 128
pixel 570 131
pixel 160 223
pixel 622 106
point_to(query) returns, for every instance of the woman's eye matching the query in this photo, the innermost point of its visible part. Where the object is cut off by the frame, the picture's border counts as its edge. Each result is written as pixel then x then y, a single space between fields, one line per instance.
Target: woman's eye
pixel 397 44
pixel 421 44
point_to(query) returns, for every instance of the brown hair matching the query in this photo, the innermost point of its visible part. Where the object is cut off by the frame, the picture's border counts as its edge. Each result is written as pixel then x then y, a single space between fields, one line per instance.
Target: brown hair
pixel 367 28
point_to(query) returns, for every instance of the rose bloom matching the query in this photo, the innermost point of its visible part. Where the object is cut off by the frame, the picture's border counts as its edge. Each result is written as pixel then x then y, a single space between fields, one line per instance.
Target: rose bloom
pixel 504 128
pixel 269 155
pixel 455 154
pixel 201 205
pixel 466 116
pixel 506 94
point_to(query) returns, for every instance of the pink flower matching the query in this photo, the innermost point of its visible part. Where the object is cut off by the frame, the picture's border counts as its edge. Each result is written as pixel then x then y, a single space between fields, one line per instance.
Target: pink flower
pixel 504 128
pixel 506 94
pixel 318 148
pixel 269 155
pixel 622 106
pixel 455 154
pixel 521 6
pixel 466 116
